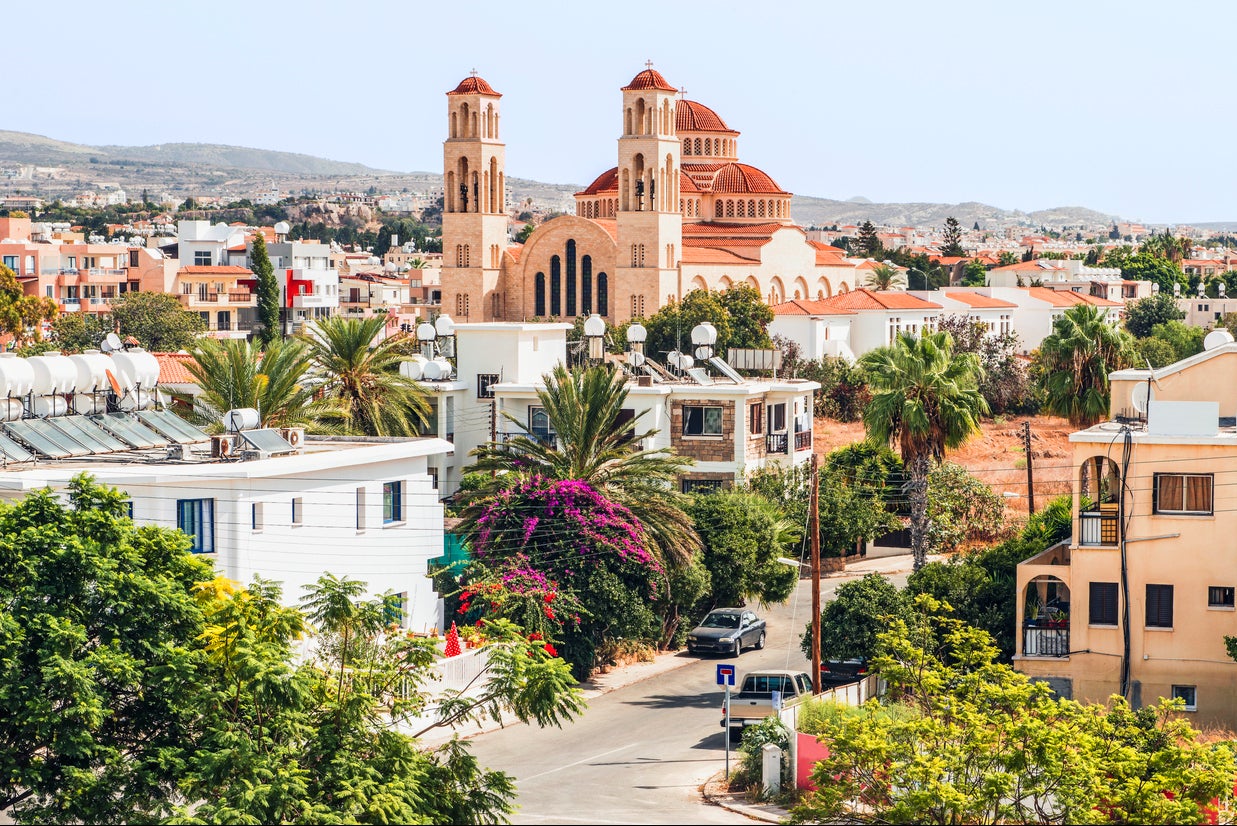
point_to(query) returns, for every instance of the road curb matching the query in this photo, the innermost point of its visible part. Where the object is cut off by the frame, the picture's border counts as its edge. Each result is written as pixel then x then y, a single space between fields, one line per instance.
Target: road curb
pixel 715 791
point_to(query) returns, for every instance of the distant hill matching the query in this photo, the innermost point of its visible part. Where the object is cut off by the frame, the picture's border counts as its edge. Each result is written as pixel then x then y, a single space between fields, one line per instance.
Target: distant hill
pixel 824 212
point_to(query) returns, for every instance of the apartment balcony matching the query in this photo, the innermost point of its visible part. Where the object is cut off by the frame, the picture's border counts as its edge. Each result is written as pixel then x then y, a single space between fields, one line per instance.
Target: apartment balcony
pixel 212 300
pixel 803 441
pixel 776 443
pixel 1101 528
pixel 305 302
pixel 102 276
pixel 1046 638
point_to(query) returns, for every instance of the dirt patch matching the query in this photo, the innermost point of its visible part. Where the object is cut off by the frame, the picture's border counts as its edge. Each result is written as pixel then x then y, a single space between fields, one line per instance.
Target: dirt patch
pixel 996 456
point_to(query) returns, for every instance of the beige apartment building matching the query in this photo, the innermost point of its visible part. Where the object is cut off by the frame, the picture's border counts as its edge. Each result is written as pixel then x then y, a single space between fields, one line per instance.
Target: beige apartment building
pixel 1139 601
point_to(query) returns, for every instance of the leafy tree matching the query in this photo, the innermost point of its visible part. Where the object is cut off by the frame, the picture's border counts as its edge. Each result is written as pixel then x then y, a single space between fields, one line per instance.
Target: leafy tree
pixel 867 243
pixel 95 635
pixel 525 233
pixel 269 311
pixel 234 373
pixel 951 245
pixel 19 312
pixel 594 444
pixel 670 328
pixel 748 316
pixel 359 370
pixel 1075 360
pixel 851 622
pixel 75 332
pixel 962 739
pixel 843 389
pixel 1005 384
pixel 1142 315
pixel 1185 339
pixel 926 399
pixel 743 534
pixel 157 320
pixel 884 277
pixel 1146 266
pixel 962 511
pixel 974 274
pixel 1006 258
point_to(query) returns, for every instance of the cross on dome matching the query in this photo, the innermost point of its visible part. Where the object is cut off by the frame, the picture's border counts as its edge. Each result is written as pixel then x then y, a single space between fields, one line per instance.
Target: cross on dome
pixel 473 73
pixel 648 64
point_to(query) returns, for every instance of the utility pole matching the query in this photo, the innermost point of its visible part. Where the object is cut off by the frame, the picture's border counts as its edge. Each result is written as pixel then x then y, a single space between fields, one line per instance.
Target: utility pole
pixel 1026 443
pixel 814 528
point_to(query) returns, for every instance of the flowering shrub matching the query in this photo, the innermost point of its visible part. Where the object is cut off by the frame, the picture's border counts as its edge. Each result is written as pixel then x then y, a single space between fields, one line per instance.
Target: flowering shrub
pixel 516 591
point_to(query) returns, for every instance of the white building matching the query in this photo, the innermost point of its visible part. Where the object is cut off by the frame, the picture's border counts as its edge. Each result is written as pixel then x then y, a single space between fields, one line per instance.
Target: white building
pixel 852 323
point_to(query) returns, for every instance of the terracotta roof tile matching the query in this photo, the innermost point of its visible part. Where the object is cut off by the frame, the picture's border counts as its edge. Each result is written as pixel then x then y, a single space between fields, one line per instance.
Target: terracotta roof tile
pixel 1068 298
pixel 515 252
pixel 605 182
pixel 978 300
pixel 863 299
pixel 174 368
pixel 713 255
pixel 749 241
pixel 740 178
pixel 649 79
pixel 608 224
pixel 799 306
pixel 706 228
pixel 474 85
pixel 690 116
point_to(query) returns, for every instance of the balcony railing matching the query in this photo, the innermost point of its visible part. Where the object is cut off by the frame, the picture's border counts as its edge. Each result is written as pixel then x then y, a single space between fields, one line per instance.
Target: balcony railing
pixel 1040 641
pixel 1098 528
pixel 803 441
pixel 776 443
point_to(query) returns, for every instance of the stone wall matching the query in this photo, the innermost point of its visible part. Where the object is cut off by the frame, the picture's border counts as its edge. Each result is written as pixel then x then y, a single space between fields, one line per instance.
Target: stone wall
pixel 704 448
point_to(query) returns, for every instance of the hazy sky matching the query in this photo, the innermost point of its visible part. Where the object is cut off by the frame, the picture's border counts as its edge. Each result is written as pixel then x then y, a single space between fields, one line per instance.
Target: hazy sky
pixel 1123 106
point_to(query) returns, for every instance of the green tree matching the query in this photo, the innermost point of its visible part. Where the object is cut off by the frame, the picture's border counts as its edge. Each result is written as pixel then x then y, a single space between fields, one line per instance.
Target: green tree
pixel 235 373
pixel 96 632
pixel 962 511
pixel 974 274
pixel 1146 266
pixel 75 332
pixel 670 328
pixel 748 316
pixel 1006 384
pixel 593 443
pixel 1006 258
pixel 743 534
pixel 962 739
pixel 926 399
pixel 951 236
pixel 884 277
pixel 851 622
pixel 1185 339
pixel 157 320
pixel 21 315
pixel 1142 315
pixel 269 311
pixel 867 243
pixel 525 233
pixel 360 374
pixel 1154 351
pixel 1075 360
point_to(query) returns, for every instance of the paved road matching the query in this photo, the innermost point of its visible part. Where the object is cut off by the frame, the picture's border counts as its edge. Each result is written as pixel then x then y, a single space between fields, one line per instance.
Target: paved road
pixel 641 752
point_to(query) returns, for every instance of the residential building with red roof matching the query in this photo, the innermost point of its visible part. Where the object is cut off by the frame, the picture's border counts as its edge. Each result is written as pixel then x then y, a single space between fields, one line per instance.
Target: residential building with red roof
pixel 853 323
pixel 679 212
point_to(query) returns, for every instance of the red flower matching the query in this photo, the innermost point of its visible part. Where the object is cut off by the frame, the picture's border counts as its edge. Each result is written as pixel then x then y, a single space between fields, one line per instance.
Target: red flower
pixel 549 613
pixel 551 650
pixel 536 635
pixel 549 597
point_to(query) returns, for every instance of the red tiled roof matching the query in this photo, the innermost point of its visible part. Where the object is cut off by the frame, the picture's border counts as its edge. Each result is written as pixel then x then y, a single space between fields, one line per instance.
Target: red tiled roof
pixel 864 299
pixel 515 251
pixel 806 307
pixel 978 300
pixel 706 228
pixel 608 224
pixel 174 368
pixel 473 85
pixel 821 245
pixel 1038 265
pixel 741 178
pixel 948 260
pixel 829 258
pixel 690 116
pixel 749 241
pixel 1068 298
pixel 605 182
pixel 649 79
pixel 237 248
pixel 713 255
pixel 230 269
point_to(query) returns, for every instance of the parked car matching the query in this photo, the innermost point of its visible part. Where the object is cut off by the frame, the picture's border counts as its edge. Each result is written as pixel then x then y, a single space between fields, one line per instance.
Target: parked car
pixel 754 700
pixel 727 631
pixel 841 672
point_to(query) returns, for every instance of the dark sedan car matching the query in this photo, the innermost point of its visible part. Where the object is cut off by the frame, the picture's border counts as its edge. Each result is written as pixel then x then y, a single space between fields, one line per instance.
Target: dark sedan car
pixel 727 631
pixel 841 672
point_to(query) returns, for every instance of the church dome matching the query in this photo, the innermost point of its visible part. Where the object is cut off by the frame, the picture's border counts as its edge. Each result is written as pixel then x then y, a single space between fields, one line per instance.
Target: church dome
pixel 474 85
pixel 739 179
pixel 606 182
pixel 690 116
pixel 649 79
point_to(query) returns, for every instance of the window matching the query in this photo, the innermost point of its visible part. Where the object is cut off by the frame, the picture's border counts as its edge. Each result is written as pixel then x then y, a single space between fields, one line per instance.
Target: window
pixel 556 286
pixel 1103 603
pixel 1189 693
pixel 129 509
pixel 756 419
pixel 395 608
pixel 1183 493
pixel 539 294
pixel 777 418
pixel 298 511
pixel 196 517
pixel 484 382
pixel 539 425
pixel 360 509
pixel 1159 606
pixel 10 261
pixel 700 485
pixel 201 258
pixel 1219 596
pixel 392 502
pixel 255 516
pixel 702 421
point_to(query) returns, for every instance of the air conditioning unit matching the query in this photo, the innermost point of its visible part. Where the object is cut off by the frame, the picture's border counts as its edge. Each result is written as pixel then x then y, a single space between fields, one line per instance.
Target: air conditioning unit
pixel 294 436
pixel 253 455
pixel 222 447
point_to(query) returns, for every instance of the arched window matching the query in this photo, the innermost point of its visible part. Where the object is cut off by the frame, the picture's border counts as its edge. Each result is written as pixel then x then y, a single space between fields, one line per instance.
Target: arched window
pixel 760 209
pixel 455 125
pixel 556 286
pixel 603 294
pixel 571 277
pixel 708 146
pixel 494 304
pixel 539 295
pixel 729 209
pixel 718 208
pixel 586 285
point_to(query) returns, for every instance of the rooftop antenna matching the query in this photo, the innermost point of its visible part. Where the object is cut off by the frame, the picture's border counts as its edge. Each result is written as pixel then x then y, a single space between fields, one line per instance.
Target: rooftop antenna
pixel 1141 397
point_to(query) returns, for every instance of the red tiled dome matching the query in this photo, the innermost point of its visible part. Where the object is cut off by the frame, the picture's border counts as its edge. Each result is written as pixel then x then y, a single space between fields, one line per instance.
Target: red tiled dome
pixel 739 178
pixel 686 184
pixel 606 182
pixel 690 116
pixel 649 79
pixel 474 85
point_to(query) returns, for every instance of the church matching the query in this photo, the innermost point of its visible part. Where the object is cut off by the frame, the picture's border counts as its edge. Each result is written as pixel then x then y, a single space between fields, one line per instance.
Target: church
pixel 678 213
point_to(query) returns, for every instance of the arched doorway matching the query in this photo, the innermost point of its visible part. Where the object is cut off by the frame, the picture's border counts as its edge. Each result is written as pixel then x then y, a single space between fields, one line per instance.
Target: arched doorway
pixel 1045 618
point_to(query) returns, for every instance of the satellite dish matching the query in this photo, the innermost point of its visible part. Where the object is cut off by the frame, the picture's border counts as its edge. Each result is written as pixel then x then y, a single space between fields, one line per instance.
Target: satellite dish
pixel 111 343
pixel 637 359
pixel 1141 397
pixel 1217 338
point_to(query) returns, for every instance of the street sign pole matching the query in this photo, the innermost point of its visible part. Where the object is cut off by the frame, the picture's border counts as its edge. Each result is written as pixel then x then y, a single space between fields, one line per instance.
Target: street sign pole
pixel 727 735
pixel 725 677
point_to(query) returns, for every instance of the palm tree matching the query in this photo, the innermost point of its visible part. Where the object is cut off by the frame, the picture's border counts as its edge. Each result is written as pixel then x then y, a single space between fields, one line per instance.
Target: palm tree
pixel 594 444
pixel 885 277
pixel 1075 361
pixel 236 373
pixel 359 371
pixel 925 398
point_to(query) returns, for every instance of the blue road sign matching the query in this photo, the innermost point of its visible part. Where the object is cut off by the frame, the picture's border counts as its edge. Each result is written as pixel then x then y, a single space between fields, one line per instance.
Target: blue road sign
pixel 725 674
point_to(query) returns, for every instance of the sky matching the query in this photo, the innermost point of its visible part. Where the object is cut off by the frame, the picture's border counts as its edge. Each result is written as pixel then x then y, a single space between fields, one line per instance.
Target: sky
pixel 1122 106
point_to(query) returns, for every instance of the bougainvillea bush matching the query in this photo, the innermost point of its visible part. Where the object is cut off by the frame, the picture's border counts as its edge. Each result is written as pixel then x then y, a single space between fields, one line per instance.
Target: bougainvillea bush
pixel 563 539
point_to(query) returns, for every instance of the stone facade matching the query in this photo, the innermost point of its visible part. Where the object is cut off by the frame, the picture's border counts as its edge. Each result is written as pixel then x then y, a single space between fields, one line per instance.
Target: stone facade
pixel 703 448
